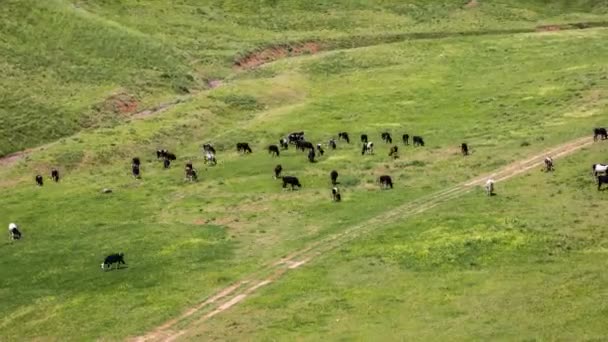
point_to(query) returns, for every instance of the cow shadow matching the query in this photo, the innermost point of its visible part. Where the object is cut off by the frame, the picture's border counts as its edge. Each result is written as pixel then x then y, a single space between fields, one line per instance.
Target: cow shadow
pixel 116 269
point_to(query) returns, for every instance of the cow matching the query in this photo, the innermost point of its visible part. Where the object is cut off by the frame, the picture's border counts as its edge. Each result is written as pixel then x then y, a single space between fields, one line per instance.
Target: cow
pixel 303 145
pixel 332 144
pixel 418 141
pixel 335 195
pixel 136 161
pixel 406 139
pixel 191 173
pixel 601 180
pixel 291 180
pixel 549 164
pixel 393 152
pixel 13 232
pixel 368 148
pixel 344 136
pixel 295 137
pixel 364 138
pixel 274 150
pixel 243 147
pixel 210 158
pixel 385 182
pixel 135 171
pixel 277 171
pixel 599 168
pixel 490 187
pixel 386 137
pixel 161 154
pixel 170 156
pixel 464 148
pixel 39 180
pixel 320 149
pixel 55 175
pixel 311 155
pixel 600 132
pixel 116 258
pixel 208 148
pixel 284 143
pixel 333 175
pixel 166 163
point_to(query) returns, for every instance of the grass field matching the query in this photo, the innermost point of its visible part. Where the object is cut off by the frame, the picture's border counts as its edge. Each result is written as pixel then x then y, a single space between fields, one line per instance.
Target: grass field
pixel 509 96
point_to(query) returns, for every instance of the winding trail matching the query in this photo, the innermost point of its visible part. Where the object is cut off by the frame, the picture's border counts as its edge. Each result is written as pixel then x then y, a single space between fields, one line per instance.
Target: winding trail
pixel 271 272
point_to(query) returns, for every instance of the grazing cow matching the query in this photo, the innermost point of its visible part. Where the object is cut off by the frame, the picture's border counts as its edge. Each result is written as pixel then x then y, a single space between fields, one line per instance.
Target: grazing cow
pixel 210 158
pixel 386 137
pixel 464 148
pixel 170 156
pixel 600 168
pixel 335 195
pixel 332 144
pixel 600 132
pixel 393 152
pixel 320 149
pixel 277 171
pixel 385 182
pixel 135 171
pixel 208 148
pixel 344 136
pixel 364 138
pixel 549 164
pixel 418 141
pixel 13 232
pixel 334 177
pixel 311 155
pixel 166 163
pixel 601 180
pixel 116 258
pixel 39 180
pixel 303 145
pixel 136 161
pixel 274 150
pixel 243 147
pixel 490 187
pixel 295 137
pixel 406 139
pixel 284 143
pixel 55 175
pixel 368 148
pixel 161 154
pixel 191 173
pixel 290 180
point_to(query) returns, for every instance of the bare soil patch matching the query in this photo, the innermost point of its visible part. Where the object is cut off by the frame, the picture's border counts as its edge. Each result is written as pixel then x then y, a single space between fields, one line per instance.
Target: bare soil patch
pixel 472 4
pixel 121 103
pixel 273 53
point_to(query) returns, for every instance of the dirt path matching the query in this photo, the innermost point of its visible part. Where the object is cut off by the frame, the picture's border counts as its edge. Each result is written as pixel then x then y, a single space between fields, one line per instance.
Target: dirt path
pixel 239 291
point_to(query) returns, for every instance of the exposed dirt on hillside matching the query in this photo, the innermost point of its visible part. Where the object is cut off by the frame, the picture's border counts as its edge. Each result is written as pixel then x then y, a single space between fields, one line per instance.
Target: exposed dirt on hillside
pixel 472 4
pixel 236 293
pixel 277 52
pixel 121 103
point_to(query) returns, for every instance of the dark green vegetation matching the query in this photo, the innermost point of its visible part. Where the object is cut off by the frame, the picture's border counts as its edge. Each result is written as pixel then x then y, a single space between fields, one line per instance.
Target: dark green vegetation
pixel 508 96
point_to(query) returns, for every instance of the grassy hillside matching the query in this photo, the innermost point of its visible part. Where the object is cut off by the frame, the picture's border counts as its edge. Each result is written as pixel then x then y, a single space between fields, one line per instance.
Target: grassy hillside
pixel 70 65
pixel 507 96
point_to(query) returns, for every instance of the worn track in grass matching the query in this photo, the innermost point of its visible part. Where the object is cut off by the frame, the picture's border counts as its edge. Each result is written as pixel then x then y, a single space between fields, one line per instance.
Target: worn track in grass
pixel 240 290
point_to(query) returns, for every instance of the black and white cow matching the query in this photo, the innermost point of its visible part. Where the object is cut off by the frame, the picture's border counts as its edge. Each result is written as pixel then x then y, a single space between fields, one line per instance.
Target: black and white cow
pixel 333 175
pixel 13 232
pixel 418 141
pixel 243 147
pixel 210 158
pixel 385 182
pixel 464 149
pixel 406 139
pixel 549 164
pixel 600 132
pixel 320 149
pixel 39 180
pixel 368 148
pixel 116 258
pixel 335 195
pixel 332 144
pixel 295 137
pixel 208 148
pixel 277 171
pixel 190 172
pixel 344 136
pixel 386 137
pixel 284 143
pixel 292 181
pixel 55 175
pixel 273 150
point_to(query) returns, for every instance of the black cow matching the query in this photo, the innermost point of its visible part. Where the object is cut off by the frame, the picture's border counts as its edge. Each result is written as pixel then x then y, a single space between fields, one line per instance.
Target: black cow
pixel 116 258
pixel 295 137
pixel 166 163
pixel 464 148
pixel 386 181
pixel 208 148
pixel 364 138
pixel 406 139
pixel 136 161
pixel 171 156
pixel 334 177
pixel 600 132
pixel 601 180
pixel 277 171
pixel 135 170
pixel 290 180
pixel 303 145
pixel 393 152
pixel 284 143
pixel 274 150
pixel 418 141
pixel 243 147
pixel 335 194
pixel 320 149
pixel 39 180
pixel 386 137
pixel 332 144
pixel 311 155
pixel 344 136
pixel 55 175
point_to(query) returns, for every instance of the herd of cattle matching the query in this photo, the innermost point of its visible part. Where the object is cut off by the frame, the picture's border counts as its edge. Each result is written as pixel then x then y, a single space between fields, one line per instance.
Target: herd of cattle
pixel 297 139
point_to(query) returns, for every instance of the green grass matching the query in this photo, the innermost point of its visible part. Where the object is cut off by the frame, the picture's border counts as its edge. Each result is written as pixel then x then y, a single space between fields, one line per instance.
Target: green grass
pixel 508 96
